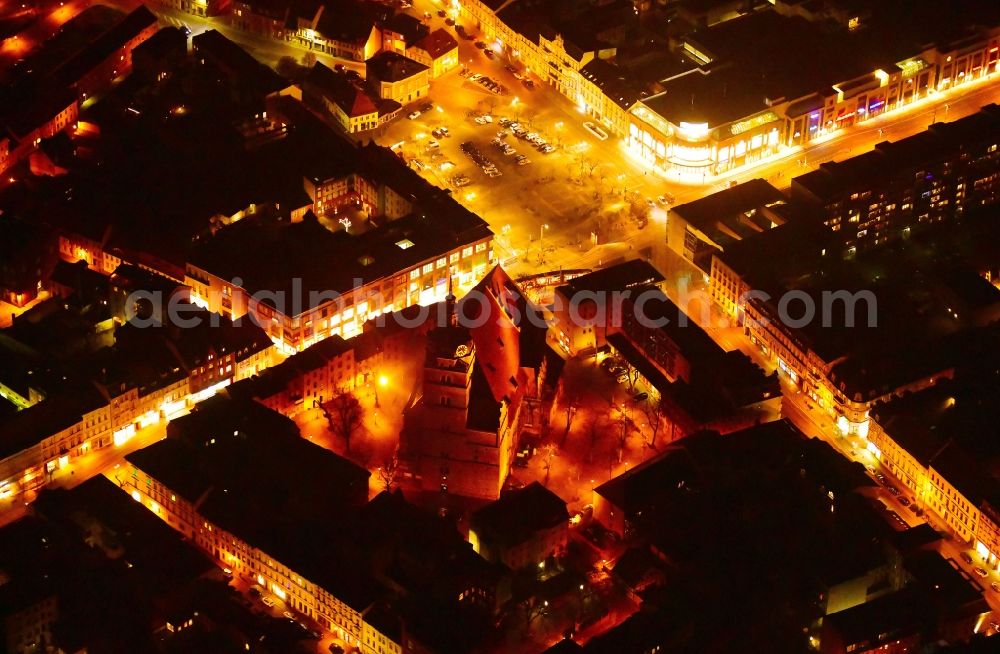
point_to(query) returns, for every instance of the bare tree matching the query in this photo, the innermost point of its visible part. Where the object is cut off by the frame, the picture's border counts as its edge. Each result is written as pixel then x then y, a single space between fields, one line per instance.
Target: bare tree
pixel 550 455
pixel 594 432
pixel 388 470
pixel 633 376
pixel 657 414
pixel 570 391
pixel 344 415
pixel 622 432
pixel 533 609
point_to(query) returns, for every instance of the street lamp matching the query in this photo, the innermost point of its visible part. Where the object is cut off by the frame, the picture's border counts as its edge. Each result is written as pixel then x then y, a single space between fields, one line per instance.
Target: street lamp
pixel 541 237
pixel 382 381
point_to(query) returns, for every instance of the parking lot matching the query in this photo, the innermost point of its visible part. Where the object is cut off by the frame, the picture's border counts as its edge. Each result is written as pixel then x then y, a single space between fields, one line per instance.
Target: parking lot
pixel 547 212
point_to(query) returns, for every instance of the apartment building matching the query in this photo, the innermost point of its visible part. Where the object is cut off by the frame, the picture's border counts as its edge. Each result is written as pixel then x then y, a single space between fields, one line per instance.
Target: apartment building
pixel 188 480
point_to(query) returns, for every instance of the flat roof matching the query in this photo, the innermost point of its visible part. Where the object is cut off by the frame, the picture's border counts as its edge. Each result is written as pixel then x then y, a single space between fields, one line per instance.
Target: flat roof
pixel 625 275
pixel 704 212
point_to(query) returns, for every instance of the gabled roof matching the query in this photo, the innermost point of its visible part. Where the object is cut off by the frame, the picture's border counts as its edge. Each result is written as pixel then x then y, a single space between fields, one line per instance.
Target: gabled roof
pixel 437 43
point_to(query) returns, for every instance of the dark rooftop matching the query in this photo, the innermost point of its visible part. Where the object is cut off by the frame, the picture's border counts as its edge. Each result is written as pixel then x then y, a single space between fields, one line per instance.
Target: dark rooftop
pixel 614 278
pixel 731 202
pixel 217 457
pixel 519 514
pixel 392 67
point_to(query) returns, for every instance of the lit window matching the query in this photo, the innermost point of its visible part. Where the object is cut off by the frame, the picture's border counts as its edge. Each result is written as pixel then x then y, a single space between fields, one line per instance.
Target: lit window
pixel 467 252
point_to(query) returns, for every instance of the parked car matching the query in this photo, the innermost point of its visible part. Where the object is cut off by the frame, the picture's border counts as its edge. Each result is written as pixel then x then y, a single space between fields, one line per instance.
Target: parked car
pixel 449 21
pixel 489 53
pixel 528 83
pixel 965 557
pixel 267 601
pixel 981 572
pixel 288 615
pixel 413 115
pixel 442 13
pixel 904 501
pixel 427 106
pixel 995 586
pixel 480 45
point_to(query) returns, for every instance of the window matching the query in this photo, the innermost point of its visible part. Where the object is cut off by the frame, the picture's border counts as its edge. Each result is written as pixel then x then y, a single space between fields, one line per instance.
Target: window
pixel 480 247
pixel 454 257
pixel 467 252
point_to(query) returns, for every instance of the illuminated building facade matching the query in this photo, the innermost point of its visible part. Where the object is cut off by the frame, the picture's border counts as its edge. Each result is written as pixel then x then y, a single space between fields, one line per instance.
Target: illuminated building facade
pixel 186 480
pixel 398 77
pixel 587 307
pixel 903 186
pixel 522 529
pixel 929 441
pixel 416 243
pixel 481 388
pixel 347 103
pixel 117 396
pixel 718 104
pixel 851 343
pixel 438 51
pixel 57 86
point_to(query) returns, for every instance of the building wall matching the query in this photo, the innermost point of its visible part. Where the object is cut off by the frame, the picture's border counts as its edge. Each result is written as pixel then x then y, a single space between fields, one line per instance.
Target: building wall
pixel 610 516
pixel 438 66
pixel 935 493
pixel 119 64
pixel 423 284
pixel 30 628
pixel 244 559
pixel 407 90
pixel 374 641
pixel 47 127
